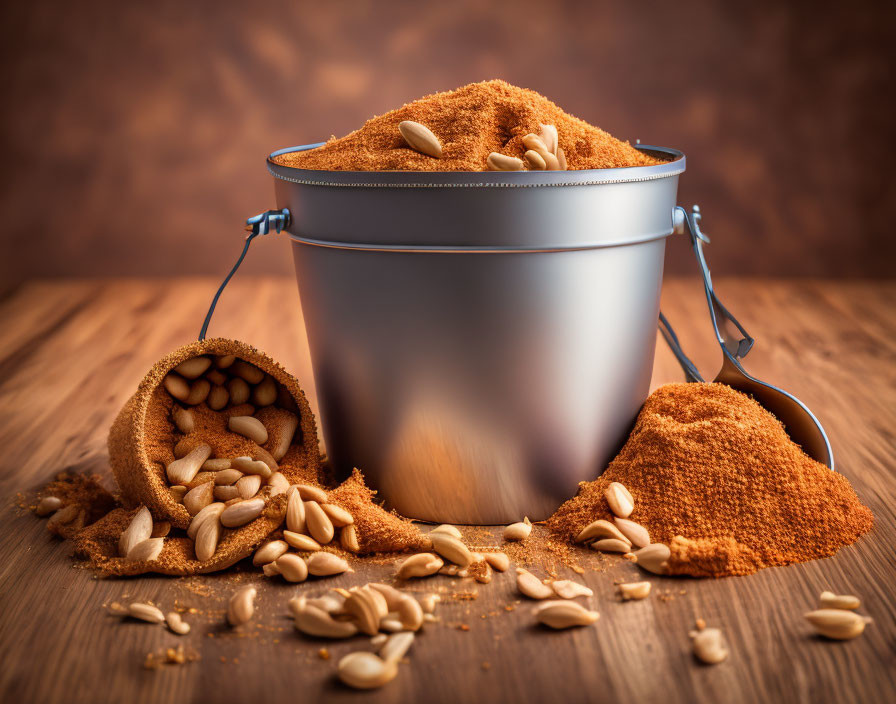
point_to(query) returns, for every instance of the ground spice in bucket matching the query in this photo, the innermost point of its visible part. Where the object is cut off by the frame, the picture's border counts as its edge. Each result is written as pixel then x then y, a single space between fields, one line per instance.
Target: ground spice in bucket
pixel 470 123
pixel 715 476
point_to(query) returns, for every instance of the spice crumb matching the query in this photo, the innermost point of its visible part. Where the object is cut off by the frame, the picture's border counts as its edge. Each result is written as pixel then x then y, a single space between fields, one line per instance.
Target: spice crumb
pixel 465 596
pixel 170 656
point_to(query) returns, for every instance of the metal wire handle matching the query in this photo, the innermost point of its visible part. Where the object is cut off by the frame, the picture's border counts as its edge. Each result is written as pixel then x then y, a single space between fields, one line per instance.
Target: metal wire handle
pixel 690 370
pixel 257 225
pixel 725 325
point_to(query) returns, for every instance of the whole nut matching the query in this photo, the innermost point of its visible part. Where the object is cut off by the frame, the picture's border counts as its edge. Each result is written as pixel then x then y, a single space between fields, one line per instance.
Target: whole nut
pixel 239 514
pixel 423 564
pixel 241 607
pixel 292 567
pixel 564 614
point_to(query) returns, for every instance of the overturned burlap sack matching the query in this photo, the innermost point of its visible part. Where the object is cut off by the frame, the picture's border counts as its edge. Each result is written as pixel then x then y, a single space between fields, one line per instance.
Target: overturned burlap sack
pixel 143 435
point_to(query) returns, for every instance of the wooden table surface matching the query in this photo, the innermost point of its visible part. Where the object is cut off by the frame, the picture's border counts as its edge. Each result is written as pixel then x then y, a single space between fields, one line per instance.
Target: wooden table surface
pixel 71 352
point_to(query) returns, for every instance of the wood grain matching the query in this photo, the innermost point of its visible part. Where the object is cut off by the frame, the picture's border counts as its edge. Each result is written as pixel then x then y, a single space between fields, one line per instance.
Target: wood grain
pixel 73 351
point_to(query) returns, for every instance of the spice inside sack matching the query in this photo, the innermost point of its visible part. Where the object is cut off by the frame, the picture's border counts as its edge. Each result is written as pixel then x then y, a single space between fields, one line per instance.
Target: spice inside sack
pixel 214 421
pixel 490 125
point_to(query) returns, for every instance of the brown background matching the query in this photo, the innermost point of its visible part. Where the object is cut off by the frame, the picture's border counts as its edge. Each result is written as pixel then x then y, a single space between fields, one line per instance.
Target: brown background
pixel 134 134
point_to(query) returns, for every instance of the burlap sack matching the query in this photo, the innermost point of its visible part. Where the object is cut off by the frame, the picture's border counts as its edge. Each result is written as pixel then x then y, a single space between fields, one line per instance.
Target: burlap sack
pixel 141 438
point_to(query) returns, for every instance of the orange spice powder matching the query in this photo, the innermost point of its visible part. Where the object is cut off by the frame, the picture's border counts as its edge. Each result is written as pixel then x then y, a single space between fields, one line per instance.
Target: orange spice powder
pixel 715 476
pixel 470 123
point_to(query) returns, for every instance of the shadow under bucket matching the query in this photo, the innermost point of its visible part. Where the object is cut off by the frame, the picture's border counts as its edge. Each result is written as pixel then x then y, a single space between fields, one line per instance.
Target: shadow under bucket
pixel 481 342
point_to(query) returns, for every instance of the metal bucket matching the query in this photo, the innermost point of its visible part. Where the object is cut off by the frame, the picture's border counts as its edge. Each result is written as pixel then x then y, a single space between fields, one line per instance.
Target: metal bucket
pixel 481 342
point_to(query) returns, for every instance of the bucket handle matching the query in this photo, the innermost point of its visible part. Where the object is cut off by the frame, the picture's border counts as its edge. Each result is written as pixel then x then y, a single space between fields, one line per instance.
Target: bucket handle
pixel 260 224
pixel 725 325
pixel 739 347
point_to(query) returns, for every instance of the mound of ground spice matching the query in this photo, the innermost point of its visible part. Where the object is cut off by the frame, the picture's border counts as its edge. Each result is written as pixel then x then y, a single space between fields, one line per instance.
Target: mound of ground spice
pixel 470 122
pixel 715 476
pixel 378 530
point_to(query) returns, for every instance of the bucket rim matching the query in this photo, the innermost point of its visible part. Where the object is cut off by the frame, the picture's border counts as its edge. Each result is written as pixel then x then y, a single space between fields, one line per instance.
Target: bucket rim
pixel 479 179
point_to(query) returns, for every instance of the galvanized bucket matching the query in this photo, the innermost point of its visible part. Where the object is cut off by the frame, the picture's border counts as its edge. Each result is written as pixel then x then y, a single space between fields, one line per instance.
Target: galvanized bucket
pixel 481 342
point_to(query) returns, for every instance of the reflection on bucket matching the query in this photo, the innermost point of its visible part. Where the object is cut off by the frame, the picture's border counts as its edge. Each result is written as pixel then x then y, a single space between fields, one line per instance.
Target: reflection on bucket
pixel 433 456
